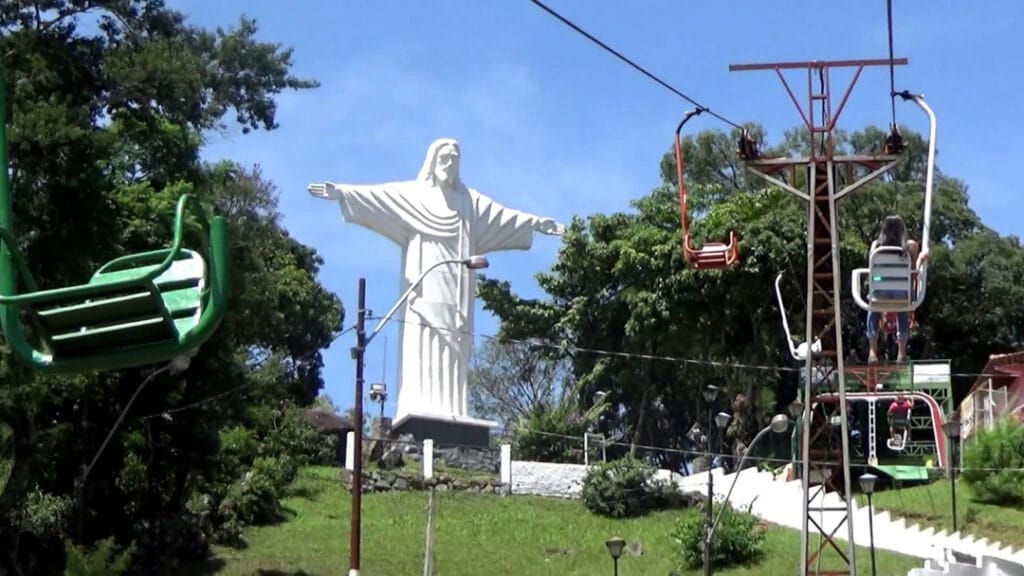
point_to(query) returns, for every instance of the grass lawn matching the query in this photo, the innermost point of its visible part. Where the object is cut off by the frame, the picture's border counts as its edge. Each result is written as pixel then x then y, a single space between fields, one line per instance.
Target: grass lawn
pixel 931 505
pixel 476 534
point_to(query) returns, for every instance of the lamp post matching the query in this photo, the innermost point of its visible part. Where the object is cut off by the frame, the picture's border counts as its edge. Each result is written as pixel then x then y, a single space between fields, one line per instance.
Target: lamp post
pixel 952 429
pixel 779 424
pixel 358 352
pixel 796 412
pixel 710 393
pixel 615 546
pixel 867 486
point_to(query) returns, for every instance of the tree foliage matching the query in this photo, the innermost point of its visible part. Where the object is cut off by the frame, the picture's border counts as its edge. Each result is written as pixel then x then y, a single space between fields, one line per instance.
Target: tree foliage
pixel 108 103
pixel 620 284
pixel 509 380
pixel 994 463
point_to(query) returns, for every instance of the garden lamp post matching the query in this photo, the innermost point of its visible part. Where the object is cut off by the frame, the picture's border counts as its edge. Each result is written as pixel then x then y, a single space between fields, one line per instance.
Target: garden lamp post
pixel 358 352
pixel 615 546
pixel 779 424
pixel 867 486
pixel 952 429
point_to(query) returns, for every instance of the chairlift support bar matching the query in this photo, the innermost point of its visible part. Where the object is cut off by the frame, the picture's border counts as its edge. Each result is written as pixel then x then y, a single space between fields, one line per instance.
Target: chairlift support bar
pixel 713 255
pixel 916 293
pixel 823 310
pixel 793 351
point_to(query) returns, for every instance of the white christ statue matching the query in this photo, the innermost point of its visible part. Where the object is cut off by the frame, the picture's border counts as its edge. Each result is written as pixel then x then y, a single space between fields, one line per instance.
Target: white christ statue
pixel 436 217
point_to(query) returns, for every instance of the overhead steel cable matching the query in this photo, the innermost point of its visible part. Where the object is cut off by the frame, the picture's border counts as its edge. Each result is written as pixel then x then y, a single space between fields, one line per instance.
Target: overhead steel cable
pixel 636 66
pixel 892 67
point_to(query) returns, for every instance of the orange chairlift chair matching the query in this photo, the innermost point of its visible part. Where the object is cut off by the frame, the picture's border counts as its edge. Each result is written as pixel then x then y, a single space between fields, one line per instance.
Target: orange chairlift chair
pixel 713 255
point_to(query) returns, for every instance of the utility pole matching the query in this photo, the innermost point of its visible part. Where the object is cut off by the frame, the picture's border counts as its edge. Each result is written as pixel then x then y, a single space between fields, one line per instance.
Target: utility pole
pixel 357 457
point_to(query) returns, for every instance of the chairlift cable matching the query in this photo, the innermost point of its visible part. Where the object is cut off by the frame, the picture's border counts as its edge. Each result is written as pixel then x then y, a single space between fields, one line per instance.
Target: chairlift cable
pixel 892 67
pixel 636 66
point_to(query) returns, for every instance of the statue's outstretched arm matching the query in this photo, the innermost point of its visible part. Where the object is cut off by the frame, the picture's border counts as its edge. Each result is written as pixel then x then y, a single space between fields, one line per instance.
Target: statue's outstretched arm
pixel 329 190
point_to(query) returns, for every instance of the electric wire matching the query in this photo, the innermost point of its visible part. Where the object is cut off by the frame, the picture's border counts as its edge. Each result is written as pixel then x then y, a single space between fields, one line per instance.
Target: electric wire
pixel 600 352
pixel 631 63
pixel 240 388
pixel 892 66
pixel 597 440
pixel 571 349
pixel 120 418
pixel 605 442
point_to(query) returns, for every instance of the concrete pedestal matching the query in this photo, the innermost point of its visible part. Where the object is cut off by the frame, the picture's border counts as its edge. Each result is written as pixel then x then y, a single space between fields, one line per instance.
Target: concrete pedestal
pixel 446 430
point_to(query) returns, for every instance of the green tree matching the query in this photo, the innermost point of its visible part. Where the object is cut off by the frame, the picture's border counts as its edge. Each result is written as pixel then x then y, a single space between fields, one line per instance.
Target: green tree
pixel 510 380
pixel 106 122
pixel 620 284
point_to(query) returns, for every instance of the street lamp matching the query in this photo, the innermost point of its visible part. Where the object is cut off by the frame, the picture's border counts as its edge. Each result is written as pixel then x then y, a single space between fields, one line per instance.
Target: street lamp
pixel 358 351
pixel 473 263
pixel 615 546
pixel 952 429
pixel 722 422
pixel 779 424
pixel 379 394
pixel 867 486
pixel 710 392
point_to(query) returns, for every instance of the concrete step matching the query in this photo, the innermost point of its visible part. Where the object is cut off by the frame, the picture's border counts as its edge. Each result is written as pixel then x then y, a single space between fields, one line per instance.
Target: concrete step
pixel 780 502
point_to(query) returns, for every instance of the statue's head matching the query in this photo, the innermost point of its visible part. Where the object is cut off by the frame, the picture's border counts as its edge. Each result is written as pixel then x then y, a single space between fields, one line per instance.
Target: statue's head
pixel 441 165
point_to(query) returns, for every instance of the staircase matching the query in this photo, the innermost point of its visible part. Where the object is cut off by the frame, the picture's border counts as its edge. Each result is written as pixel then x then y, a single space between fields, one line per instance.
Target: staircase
pixel 779 502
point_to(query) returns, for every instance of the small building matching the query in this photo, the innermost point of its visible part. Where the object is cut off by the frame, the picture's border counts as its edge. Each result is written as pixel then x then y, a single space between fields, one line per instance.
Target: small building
pixel 998 392
pixel 333 424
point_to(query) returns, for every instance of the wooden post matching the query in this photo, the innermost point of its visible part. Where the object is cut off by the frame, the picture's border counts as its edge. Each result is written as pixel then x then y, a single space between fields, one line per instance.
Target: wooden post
pixel 428 550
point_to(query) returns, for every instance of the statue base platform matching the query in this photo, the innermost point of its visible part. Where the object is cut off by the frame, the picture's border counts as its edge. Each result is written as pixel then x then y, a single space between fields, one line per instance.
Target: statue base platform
pixel 445 430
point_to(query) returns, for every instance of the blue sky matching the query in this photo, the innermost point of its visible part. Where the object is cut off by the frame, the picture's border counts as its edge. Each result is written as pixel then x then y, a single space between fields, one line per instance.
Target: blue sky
pixel 551 124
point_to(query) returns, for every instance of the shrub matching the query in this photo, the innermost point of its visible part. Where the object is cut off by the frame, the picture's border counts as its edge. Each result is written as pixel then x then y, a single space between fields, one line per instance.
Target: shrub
pixel 292 434
pixel 256 497
pixel 551 435
pixel 625 487
pixel 738 538
pixel 994 464
pixel 102 560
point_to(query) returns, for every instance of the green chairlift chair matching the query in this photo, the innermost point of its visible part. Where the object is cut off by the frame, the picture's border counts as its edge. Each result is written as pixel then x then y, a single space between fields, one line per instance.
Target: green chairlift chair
pixel 136 310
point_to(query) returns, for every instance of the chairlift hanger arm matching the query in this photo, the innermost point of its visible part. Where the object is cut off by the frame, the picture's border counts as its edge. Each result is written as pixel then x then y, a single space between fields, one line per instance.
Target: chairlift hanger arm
pixel 929 182
pixel 711 255
pixel 681 172
pixel 793 350
pixel 881 258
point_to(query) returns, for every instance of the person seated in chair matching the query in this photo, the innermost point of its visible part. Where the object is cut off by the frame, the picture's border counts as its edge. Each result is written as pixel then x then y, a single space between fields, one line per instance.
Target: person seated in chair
pixel 852 424
pixel 899 411
pixel 894 233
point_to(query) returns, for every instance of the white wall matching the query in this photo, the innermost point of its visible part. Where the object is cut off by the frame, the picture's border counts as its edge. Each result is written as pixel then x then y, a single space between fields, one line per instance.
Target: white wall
pixel 547 479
